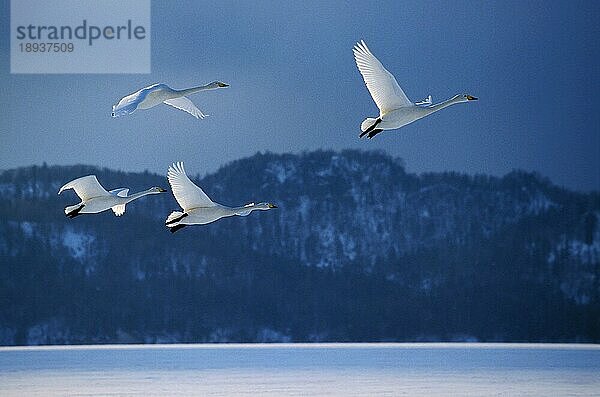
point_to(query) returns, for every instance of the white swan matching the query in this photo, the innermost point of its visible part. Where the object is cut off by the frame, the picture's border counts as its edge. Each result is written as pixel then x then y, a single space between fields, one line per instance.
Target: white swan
pixel 94 198
pixel 395 109
pixel 198 208
pixel 156 94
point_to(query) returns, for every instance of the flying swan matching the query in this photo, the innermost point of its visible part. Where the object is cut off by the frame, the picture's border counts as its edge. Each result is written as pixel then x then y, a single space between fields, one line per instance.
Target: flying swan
pixel 395 109
pixel 94 198
pixel 156 94
pixel 198 208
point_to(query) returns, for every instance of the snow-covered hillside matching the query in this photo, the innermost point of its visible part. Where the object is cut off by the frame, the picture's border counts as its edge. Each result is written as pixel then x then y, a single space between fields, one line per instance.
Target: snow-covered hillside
pixel 359 249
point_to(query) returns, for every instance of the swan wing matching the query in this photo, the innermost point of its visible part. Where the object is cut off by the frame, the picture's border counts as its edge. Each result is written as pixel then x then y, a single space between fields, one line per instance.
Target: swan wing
pixel 187 194
pixel 183 103
pixel 382 85
pixel 118 209
pixel 120 192
pixel 86 187
pixel 427 101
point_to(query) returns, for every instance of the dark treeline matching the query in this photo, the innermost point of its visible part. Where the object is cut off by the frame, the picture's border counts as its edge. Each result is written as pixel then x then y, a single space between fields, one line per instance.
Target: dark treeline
pixel 359 250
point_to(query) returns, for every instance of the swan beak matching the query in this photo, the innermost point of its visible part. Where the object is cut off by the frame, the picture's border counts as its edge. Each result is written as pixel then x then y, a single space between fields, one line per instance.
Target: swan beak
pixel 471 98
pixel 223 85
pixel 272 205
pixel 160 189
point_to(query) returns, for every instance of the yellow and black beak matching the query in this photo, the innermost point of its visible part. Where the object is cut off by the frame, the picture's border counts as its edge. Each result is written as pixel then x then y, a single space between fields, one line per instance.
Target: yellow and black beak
pixel 160 189
pixel 223 85
pixel 272 205
pixel 471 98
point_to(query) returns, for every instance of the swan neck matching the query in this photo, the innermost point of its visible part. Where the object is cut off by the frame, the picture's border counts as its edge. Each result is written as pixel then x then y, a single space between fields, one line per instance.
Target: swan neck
pixel 193 90
pixel 442 105
pixel 139 194
pixel 241 210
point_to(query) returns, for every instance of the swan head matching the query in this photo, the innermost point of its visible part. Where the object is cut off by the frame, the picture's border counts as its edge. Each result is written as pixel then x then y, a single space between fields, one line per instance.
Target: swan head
pixel 465 98
pixel 218 84
pixel 157 189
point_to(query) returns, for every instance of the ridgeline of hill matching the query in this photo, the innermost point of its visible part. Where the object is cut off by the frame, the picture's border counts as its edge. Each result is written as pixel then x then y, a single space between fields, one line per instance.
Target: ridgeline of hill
pixel 359 250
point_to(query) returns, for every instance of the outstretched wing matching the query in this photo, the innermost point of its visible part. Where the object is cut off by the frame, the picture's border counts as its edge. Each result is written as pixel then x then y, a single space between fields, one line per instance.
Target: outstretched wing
pixel 427 101
pixel 381 84
pixel 86 187
pixel 187 194
pixel 182 103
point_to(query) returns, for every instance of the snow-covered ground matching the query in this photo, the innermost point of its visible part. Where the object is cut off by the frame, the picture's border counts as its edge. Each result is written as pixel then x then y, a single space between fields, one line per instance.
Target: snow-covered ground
pixel 303 369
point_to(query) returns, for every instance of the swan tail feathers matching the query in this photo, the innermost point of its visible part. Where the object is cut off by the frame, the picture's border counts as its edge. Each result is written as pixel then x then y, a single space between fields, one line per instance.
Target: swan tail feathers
pixel 368 122
pixel 369 125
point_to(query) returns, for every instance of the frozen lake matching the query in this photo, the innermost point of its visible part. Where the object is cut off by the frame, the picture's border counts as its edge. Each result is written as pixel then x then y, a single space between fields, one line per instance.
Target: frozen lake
pixel 457 369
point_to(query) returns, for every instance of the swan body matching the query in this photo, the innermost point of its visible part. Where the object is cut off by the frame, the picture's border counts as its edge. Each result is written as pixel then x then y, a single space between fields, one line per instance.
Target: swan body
pixel 156 94
pixel 94 198
pixel 395 109
pixel 198 208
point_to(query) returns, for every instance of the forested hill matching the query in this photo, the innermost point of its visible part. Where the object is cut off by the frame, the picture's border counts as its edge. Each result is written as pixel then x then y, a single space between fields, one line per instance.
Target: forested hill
pixel 359 250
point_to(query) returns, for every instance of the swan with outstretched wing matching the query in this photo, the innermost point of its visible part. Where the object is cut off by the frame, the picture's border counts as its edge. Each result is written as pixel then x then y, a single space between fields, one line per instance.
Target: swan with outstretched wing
pixel 156 94
pixel 198 208
pixel 395 109
pixel 94 198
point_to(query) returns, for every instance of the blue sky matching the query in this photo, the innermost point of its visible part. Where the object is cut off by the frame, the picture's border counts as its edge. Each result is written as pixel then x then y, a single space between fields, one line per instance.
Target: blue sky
pixel 295 87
